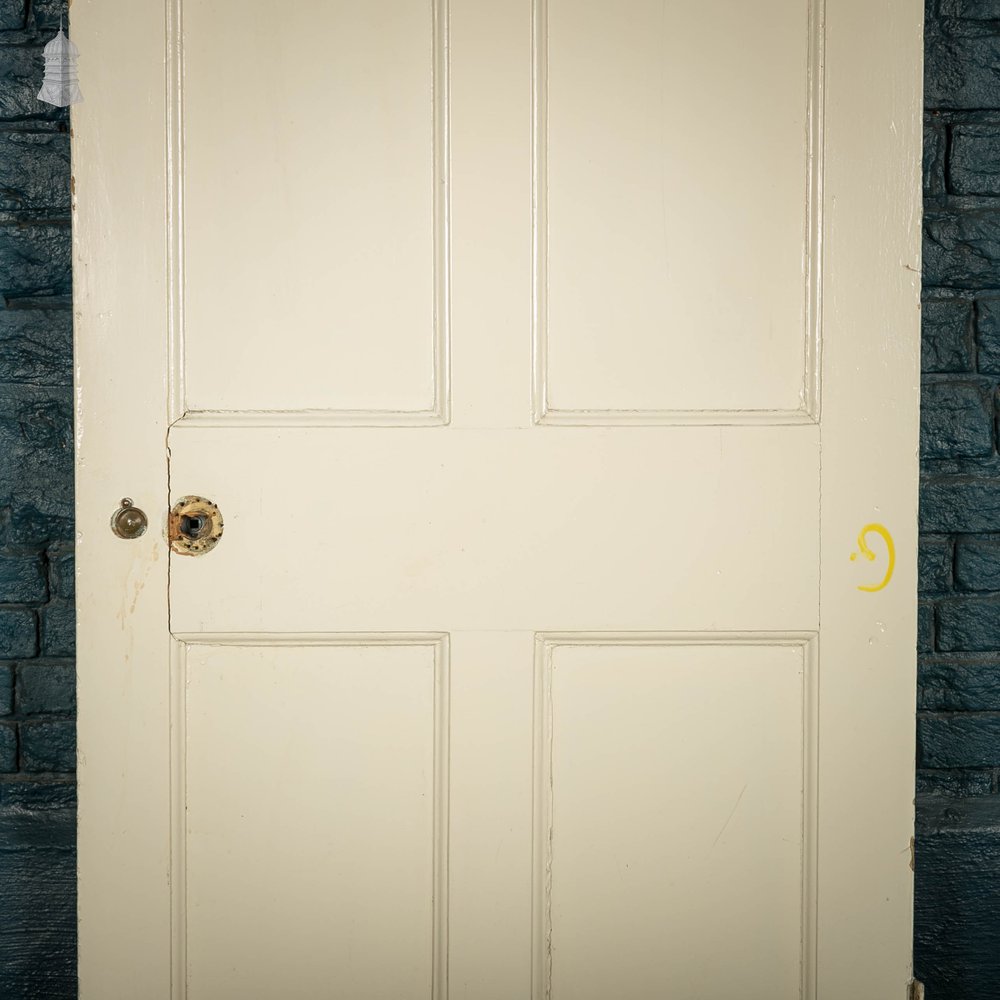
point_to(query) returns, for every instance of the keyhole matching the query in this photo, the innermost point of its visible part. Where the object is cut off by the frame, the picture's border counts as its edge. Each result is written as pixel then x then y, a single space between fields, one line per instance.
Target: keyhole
pixel 194 526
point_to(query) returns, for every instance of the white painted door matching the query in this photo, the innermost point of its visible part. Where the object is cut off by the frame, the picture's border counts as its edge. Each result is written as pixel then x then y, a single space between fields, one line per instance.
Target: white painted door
pixel 546 362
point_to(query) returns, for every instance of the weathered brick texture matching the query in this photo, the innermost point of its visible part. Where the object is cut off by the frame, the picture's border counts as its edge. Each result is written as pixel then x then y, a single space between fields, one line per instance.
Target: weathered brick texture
pixel 948 341
pixel 957 941
pixel 956 418
pixel 37 674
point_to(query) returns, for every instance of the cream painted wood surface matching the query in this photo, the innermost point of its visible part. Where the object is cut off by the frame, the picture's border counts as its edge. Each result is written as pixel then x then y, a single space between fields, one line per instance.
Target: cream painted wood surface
pixel 546 361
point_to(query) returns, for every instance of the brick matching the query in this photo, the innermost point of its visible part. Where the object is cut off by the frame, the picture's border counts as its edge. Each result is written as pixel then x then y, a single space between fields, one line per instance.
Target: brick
pixel 18 633
pixel 959 66
pixel 46 688
pixel 935 147
pixel 956 418
pixel 968 624
pixel 925 626
pixel 48 746
pixel 975 10
pixel 974 163
pixel 21 69
pixel 23 579
pixel 25 524
pixel 34 170
pixel 953 782
pixel 946 336
pixel 961 739
pixel 977 563
pixel 38 907
pixel 988 334
pixel 934 562
pixel 36 441
pixel 6 688
pixel 36 346
pixel 46 15
pixel 959 504
pixel 58 629
pixel 957 897
pixel 13 14
pixel 8 748
pixel 958 683
pixel 962 249
pixel 62 573
pixel 34 259
pixel 37 792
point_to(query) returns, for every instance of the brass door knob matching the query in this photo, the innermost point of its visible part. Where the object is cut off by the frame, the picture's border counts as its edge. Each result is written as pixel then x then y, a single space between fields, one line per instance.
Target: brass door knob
pixel 129 521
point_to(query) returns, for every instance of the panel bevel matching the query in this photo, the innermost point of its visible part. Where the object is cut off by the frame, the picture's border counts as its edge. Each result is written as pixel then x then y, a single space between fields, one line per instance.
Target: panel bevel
pixel 542 837
pixel 439 411
pixel 179 680
pixel 808 410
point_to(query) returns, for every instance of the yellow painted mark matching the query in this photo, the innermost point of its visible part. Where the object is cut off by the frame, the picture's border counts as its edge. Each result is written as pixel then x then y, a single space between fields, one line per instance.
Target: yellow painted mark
pixel 878 529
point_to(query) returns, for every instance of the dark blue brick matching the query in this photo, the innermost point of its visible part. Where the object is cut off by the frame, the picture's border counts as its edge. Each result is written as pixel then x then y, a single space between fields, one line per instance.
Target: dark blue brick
pixel 959 65
pixel 58 629
pixel 21 69
pixel 46 15
pixel 36 440
pixel 38 792
pixel 962 249
pixel 46 688
pixel 974 164
pixel 25 524
pixel 954 782
pixel 48 746
pixel 946 336
pixel 961 739
pixel 23 579
pixel 935 150
pixel 34 170
pixel 925 626
pixel 974 10
pixel 956 418
pixel 958 683
pixel 38 905
pixel 36 346
pixel 959 503
pixel 13 14
pixel 977 563
pixel 957 897
pixel 62 572
pixel 6 688
pixel 968 623
pixel 34 259
pixel 988 334
pixel 18 633
pixel 934 561
pixel 8 748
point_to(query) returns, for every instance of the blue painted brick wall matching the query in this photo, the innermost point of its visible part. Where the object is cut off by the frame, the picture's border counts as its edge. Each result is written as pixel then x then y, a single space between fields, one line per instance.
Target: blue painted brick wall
pixel 957 938
pixel 37 675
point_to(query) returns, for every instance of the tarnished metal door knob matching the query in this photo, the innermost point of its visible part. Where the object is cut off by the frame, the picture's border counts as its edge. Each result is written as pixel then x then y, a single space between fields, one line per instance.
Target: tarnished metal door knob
pixel 129 521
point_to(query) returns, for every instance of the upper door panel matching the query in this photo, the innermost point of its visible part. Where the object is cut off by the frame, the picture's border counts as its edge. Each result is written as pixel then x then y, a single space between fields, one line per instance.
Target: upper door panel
pixel 313 224
pixel 677 211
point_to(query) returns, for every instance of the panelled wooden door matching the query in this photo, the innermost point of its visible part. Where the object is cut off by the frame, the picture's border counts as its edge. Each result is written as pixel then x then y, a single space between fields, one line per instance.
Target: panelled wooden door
pixel 553 365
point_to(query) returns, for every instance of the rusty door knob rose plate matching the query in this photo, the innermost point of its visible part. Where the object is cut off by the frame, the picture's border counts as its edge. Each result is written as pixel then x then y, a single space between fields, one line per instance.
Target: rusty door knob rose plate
pixel 194 526
pixel 128 521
